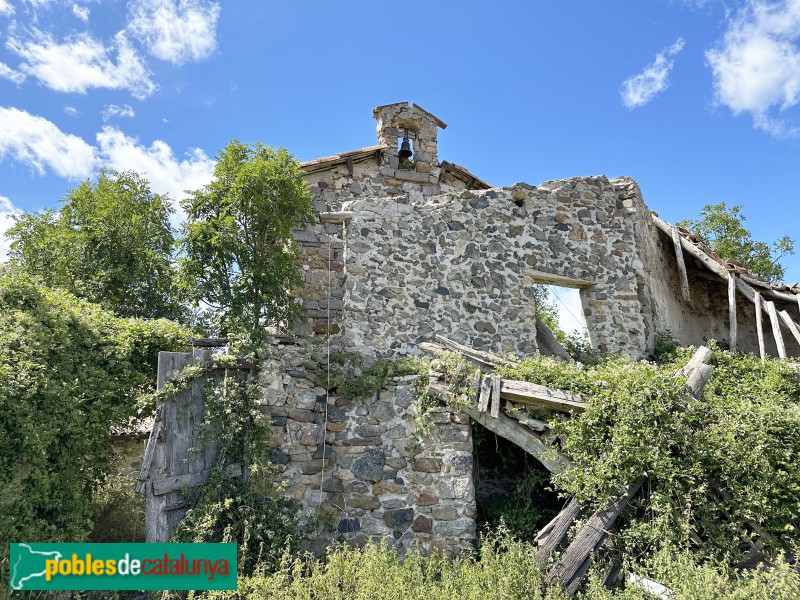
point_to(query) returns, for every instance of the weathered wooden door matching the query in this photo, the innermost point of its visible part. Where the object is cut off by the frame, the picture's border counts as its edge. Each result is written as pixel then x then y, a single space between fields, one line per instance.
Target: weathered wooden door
pixel 177 458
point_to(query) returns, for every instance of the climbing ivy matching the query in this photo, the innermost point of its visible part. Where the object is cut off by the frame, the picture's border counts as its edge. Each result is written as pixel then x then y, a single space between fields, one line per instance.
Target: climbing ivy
pixel 69 370
pixel 728 459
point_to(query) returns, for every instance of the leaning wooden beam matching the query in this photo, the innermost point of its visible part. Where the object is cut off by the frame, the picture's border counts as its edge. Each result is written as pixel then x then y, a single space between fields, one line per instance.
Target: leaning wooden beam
pixel 776 328
pixel 554 535
pixel 524 392
pixel 760 327
pixel 732 309
pixel 484 358
pixel 790 324
pixel 530 423
pixel 569 566
pixel 514 432
pixel 676 241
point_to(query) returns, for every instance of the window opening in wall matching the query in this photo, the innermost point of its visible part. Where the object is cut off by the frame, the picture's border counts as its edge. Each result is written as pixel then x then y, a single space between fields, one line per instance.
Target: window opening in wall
pixel 560 308
pixel 405 152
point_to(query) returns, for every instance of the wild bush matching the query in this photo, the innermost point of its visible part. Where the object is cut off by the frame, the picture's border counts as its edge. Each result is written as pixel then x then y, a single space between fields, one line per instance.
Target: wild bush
pixel 69 370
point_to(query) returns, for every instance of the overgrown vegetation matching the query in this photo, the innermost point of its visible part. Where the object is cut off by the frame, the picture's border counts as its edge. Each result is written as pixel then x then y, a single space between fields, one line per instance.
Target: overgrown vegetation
pixel 503 569
pixel 69 371
pixel 351 376
pixel 711 465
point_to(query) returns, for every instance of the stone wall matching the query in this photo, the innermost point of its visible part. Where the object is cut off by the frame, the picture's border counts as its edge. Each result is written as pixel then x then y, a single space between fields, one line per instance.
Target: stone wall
pixel 464 265
pixel 364 466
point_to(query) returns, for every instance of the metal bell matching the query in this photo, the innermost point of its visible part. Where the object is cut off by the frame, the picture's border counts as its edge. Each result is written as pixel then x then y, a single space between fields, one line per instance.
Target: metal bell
pixel 405 149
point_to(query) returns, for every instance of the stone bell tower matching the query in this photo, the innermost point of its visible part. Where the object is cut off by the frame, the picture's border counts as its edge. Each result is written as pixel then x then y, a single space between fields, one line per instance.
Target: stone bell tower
pixel 396 121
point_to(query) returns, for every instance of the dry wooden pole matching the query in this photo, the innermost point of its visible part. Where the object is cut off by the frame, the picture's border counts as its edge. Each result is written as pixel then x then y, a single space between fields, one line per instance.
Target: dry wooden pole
pixel 760 327
pixel 698 379
pixel 676 240
pixel 776 328
pixel 495 412
pixel 530 423
pixel 790 324
pixel 732 309
pixel 703 356
pixel 486 392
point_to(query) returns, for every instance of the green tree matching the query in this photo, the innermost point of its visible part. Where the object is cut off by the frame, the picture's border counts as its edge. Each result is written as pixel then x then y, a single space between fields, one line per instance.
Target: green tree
pixel 723 228
pixel 237 253
pixel 110 242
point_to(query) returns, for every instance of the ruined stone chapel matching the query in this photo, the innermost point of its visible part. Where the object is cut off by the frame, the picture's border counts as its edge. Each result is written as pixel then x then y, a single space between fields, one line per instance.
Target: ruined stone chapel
pixel 409 246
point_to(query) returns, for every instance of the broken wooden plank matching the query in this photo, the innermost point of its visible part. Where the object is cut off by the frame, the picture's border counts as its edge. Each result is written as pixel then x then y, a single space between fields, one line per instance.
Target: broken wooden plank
pixel 554 535
pixel 495 412
pixel 476 387
pixel 790 324
pixel 732 310
pixel 509 429
pixel 483 358
pixel 149 452
pixel 697 380
pixel 760 328
pixel 486 392
pixel 570 565
pixel 540 395
pixel 180 482
pixel 776 328
pixel 529 422
pixel 676 241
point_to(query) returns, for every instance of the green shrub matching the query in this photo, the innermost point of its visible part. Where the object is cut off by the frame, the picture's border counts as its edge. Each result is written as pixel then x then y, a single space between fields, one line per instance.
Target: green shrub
pixel 711 465
pixel 69 370
pixel 503 569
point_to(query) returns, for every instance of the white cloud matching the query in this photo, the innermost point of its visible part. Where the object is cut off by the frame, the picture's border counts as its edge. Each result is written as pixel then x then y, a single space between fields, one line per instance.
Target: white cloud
pixel 80 63
pixel 756 66
pixel 642 88
pixel 176 30
pixel 157 163
pixel 7 212
pixel 71 111
pixel 39 143
pixel 112 110
pixel 82 12
pixel 6 8
pixel 7 72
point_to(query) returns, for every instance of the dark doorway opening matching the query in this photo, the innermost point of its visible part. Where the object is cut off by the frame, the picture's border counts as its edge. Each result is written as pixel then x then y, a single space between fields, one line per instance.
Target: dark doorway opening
pixel 510 485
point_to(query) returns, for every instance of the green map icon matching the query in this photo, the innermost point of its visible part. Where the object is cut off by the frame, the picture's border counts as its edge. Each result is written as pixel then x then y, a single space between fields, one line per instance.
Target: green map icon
pixel 28 565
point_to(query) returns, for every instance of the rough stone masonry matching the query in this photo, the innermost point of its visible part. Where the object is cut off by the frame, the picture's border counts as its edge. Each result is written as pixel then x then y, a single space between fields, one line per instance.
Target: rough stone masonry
pixel 404 251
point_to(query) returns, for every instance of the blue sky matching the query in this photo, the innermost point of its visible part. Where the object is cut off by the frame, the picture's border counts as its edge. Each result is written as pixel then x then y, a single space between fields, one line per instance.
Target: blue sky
pixel 697 100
